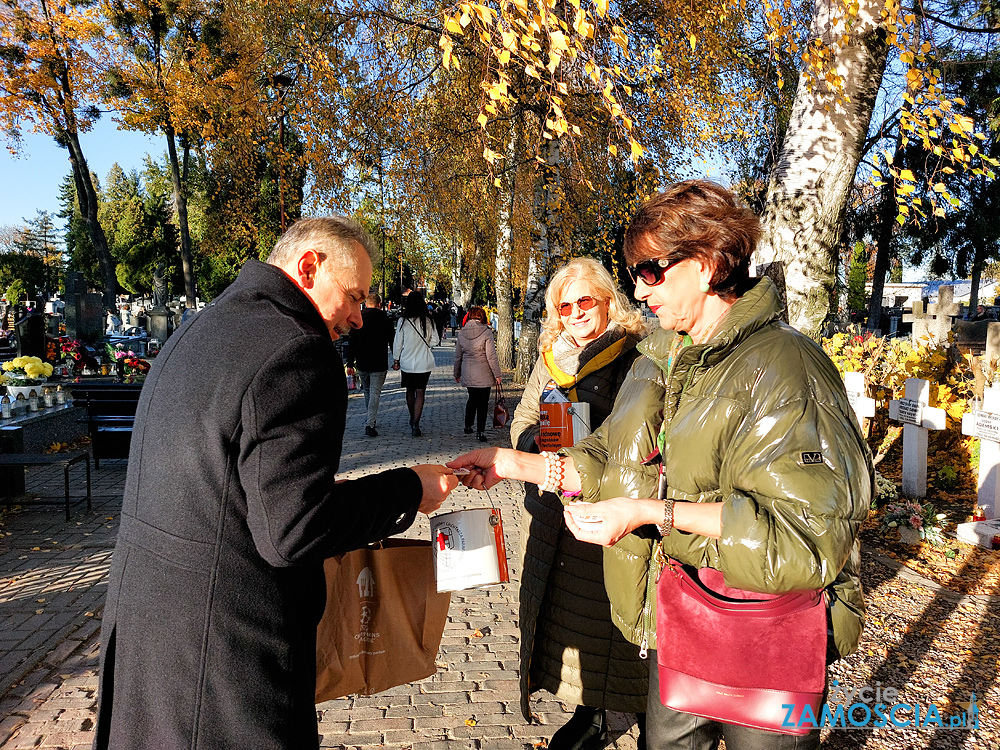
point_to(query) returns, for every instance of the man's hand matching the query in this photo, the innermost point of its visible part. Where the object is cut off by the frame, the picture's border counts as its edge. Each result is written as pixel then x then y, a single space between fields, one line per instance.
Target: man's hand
pixel 437 482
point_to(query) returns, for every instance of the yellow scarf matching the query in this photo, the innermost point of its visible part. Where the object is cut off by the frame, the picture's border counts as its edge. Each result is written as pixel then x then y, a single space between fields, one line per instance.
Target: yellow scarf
pixel 569 381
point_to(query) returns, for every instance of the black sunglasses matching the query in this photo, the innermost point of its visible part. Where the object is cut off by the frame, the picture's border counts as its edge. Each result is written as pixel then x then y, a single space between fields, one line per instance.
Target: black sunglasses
pixel 651 270
pixel 584 303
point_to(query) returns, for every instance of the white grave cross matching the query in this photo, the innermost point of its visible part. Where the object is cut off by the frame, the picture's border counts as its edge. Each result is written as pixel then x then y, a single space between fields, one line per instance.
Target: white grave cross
pixel 985 425
pixel 863 406
pixel 918 418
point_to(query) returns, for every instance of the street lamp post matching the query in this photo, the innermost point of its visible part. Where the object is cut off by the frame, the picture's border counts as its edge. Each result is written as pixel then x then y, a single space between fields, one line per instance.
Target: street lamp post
pixel 281 83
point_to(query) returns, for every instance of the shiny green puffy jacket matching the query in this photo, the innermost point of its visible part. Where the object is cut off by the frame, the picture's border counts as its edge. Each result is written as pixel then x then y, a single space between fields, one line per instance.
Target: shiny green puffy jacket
pixel 758 419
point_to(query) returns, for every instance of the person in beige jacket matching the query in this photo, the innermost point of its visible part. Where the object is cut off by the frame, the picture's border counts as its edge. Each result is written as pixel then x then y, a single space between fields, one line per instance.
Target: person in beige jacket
pixel 477 368
pixel 569 643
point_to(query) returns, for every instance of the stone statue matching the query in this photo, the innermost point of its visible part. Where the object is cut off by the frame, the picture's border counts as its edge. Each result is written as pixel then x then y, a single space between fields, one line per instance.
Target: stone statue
pixel 159 287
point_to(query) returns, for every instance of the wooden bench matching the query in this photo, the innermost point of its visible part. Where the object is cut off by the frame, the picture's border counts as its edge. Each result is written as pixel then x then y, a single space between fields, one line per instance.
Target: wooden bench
pixel 66 460
pixel 110 416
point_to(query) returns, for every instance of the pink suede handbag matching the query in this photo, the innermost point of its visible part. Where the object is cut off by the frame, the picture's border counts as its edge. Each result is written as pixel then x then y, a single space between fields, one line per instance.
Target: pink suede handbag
pixel 739 657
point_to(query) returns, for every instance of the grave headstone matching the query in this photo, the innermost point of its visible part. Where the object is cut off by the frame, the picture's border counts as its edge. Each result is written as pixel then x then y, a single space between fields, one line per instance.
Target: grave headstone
pixel 84 310
pixel 984 424
pixel 935 324
pixel 160 323
pixel 980 533
pixel 992 342
pixel 854 383
pixel 917 418
pixel 31 336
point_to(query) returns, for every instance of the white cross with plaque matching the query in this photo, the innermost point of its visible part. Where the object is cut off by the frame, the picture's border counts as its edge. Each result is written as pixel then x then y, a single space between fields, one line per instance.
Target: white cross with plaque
pixel 985 425
pixel 863 406
pixel 917 418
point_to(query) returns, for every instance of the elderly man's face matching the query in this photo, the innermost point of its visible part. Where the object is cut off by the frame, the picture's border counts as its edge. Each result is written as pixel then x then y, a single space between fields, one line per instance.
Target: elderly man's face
pixel 339 293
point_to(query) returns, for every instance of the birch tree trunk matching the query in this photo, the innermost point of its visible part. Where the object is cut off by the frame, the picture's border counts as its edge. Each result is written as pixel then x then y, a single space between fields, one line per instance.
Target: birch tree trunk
pixel 544 256
pixel 809 184
pixel 462 279
pixel 505 231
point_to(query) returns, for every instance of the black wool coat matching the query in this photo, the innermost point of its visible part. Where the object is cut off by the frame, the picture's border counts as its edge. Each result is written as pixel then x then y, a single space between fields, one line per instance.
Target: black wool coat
pixel 370 345
pixel 230 508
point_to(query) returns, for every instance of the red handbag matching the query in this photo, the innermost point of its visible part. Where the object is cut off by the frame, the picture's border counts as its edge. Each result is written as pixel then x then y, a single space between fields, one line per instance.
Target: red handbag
pixel 500 413
pixel 739 657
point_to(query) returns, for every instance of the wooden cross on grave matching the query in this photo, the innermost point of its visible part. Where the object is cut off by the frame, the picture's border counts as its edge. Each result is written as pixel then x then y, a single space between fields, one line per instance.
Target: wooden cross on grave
pixel 918 418
pixel 985 424
pixel 863 406
pixel 936 323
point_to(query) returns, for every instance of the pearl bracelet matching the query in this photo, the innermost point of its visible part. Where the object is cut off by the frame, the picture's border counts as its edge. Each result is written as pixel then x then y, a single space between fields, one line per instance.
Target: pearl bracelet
pixel 554 472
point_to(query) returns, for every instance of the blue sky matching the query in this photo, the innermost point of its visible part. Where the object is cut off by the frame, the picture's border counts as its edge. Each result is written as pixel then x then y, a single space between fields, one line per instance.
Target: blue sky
pixel 30 181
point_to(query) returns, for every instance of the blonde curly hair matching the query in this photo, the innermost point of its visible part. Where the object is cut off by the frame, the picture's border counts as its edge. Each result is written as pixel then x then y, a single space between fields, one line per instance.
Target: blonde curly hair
pixel 620 310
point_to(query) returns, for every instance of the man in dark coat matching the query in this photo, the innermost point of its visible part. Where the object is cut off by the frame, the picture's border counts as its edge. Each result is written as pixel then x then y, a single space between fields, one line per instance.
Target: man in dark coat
pixel 232 503
pixel 369 353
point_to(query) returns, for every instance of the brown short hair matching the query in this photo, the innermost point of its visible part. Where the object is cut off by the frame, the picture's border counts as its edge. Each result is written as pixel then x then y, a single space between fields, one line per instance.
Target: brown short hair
pixel 476 313
pixel 697 219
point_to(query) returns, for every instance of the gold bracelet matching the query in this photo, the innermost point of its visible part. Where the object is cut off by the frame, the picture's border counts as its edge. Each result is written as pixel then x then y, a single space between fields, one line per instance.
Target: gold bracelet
pixel 668 517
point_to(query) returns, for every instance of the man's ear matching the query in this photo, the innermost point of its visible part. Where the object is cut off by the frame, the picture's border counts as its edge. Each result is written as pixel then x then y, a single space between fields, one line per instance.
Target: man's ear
pixel 306 268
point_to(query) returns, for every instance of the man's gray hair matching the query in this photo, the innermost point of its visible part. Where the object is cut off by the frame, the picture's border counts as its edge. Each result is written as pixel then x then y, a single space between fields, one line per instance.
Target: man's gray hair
pixel 331 236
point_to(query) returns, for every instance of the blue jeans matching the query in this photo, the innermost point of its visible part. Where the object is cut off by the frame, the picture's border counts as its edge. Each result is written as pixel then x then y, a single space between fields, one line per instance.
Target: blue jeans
pixel 372 383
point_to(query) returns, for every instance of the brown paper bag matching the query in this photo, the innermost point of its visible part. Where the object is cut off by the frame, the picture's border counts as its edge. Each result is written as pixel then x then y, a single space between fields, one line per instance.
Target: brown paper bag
pixel 383 620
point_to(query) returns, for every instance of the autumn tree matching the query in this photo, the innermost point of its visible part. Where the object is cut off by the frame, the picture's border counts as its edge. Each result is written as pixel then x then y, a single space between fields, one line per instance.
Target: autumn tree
pixel 38 238
pixel 48 83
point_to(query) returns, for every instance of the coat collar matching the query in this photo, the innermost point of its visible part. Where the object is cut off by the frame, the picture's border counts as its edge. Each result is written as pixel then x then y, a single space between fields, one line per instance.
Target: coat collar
pixel 754 310
pixel 264 281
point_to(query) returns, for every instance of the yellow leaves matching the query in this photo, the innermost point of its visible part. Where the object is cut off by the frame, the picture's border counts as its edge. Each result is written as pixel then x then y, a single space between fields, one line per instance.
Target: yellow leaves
pixel 962 125
pixel 453 26
pixel 637 150
pixel 446 52
pixel 693 41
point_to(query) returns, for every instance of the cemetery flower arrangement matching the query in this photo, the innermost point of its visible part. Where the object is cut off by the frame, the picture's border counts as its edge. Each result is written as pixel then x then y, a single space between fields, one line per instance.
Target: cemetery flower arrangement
pixel 910 514
pixel 22 371
pixel 134 364
pixel 72 349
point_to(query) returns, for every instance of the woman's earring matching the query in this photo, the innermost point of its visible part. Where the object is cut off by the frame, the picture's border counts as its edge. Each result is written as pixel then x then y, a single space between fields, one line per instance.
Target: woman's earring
pixel 703 287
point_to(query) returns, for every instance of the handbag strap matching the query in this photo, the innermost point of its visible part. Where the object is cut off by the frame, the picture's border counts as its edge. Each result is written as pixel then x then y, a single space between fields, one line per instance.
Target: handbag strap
pixel 423 338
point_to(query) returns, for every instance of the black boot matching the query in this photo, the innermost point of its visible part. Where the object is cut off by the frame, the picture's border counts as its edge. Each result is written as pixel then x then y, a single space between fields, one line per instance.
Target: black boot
pixel 587 729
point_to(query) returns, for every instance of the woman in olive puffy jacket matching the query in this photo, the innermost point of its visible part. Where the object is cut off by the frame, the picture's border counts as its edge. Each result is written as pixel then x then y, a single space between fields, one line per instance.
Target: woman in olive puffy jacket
pixel 765 472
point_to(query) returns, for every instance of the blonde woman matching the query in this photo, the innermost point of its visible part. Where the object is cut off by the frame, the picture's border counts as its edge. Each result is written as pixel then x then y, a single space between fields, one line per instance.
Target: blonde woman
pixel 569 644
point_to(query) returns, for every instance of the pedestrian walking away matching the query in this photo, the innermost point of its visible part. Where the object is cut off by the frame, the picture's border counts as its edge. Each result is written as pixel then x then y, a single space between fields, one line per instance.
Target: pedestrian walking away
pixel 413 355
pixel 477 368
pixel 368 354
pixel 736 430
pixel 216 586
pixel 569 644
